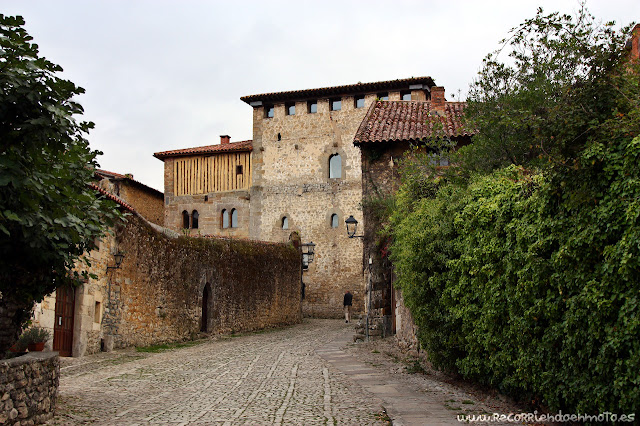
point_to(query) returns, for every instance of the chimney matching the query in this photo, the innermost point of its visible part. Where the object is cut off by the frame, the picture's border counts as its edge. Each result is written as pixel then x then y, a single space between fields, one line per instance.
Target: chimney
pixel 437 99
pixel 224 139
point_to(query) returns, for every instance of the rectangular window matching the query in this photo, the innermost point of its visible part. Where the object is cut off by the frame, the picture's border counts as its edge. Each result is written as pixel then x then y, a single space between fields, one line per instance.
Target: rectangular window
pixel 336 104
pixel 97 312
pixel 290 108
pixel 268 111
pixel 358 101
pixel 383 96
pixel 239 169
pixel 405 96
pixel 312 107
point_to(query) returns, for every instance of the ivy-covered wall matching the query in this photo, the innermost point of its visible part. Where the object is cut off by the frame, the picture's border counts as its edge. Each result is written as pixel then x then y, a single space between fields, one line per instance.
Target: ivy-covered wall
pixel 157 294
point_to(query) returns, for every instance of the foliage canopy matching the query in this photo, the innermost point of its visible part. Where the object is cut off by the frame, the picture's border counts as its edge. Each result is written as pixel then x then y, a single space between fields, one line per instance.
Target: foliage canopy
pixel 49 216
pixel 522 269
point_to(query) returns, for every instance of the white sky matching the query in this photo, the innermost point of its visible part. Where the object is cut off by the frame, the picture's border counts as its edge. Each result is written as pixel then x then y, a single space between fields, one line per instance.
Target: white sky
pixel 162 75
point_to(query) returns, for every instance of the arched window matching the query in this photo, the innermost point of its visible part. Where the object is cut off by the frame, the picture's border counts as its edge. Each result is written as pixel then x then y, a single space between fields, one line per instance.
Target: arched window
pixel 185 219
pixel 234 218
pixel 194 219
pixel 334 220
pixel 285 223
pixel 335 166
pixel 225 219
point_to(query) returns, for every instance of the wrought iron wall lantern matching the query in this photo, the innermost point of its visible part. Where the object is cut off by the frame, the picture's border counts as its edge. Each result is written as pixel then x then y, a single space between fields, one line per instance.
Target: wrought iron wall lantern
pixel 118 257
pixel 308 251
pixel 352 226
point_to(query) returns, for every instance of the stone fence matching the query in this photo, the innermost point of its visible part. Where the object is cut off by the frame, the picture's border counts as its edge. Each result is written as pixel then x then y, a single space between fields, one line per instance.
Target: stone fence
pixel 28 388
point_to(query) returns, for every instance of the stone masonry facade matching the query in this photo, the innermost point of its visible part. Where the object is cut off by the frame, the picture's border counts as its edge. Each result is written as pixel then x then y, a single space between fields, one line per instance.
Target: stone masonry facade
pixel 156 295
pixel 295 137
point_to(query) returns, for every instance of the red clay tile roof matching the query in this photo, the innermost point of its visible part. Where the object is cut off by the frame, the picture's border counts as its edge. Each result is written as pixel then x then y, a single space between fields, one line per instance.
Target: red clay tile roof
pixel 108 174
pixel 389 121
pixel 112 197
pixel 209 149
pixel 340 90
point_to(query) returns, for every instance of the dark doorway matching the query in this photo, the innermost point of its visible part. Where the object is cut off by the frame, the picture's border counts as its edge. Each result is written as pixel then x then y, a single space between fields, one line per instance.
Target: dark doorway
pixel 63 327
pixel 206 295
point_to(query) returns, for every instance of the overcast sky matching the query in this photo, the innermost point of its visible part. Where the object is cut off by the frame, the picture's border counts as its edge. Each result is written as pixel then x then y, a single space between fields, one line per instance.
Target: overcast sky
pixel 163 75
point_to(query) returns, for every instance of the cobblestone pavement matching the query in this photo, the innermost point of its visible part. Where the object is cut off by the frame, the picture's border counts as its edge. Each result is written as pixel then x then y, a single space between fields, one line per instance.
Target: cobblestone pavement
pixel 308 374
pixel 275 377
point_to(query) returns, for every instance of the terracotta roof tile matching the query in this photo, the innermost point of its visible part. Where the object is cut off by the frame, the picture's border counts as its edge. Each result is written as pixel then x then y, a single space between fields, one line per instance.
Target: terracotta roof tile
pixel 388 121
pixel 112 197
pixel 113 175
pixel 340 90
pixel 208 149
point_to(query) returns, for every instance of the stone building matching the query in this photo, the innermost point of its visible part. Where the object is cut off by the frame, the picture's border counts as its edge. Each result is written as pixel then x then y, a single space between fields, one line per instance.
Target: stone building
pixel 147 201
pixel 168 287
pixel 388 131
pixel 305 176
pixel 206 188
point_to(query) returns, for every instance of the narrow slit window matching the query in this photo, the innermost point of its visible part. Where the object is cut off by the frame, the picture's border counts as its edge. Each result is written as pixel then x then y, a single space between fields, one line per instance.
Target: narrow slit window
pixel 239 169
pixel 285 223
pixel 185 219
pixel 97 312
pixel 290 108
pixel 334 220
pixel 225 219
pixel 312 107
pixel 335 166
pixel 194 219
pixel 234 218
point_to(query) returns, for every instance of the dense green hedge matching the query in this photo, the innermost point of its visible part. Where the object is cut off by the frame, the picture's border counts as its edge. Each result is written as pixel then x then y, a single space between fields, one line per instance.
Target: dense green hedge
pixel 531 282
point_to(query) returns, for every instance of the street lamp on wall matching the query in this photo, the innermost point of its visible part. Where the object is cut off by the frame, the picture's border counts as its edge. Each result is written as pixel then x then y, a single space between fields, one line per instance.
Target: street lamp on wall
pixel 308 250
pixel 118 257
pixel 352 226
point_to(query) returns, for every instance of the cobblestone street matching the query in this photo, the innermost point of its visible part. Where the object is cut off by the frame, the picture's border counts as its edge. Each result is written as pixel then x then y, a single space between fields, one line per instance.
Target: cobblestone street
pixel 295 376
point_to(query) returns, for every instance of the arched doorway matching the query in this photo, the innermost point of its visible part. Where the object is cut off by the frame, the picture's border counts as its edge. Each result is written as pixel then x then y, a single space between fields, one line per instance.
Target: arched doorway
pixel 206 296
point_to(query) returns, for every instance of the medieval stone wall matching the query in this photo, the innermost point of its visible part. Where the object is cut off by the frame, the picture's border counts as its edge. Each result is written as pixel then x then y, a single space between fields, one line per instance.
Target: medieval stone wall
pixel 157 294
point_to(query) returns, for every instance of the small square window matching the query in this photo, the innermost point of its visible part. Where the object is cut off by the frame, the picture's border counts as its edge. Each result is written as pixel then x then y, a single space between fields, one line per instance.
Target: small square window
pixel 268 111
pixel 290 108
pixel 239 169
pixel 336 104
pixel 312 107
pixel 383 96
pixel 405 96
pixel 358 101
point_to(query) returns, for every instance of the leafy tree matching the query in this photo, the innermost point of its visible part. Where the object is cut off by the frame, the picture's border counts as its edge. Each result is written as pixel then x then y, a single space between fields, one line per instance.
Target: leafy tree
pixel 524 274
pixel 49 216
pixel 541 104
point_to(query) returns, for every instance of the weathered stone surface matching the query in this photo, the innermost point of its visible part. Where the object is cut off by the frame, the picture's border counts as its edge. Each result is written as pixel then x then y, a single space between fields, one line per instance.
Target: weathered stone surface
pixel 22 398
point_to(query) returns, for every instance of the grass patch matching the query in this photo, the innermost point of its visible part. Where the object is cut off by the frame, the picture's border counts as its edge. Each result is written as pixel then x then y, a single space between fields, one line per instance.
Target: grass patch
pixel 167 346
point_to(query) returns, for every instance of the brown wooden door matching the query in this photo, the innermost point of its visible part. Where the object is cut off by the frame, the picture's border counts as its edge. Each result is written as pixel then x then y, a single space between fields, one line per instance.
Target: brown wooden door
pixel 63 328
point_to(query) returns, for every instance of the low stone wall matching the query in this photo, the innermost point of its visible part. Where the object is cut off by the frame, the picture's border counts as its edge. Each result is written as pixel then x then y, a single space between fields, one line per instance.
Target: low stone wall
pixel 28 388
